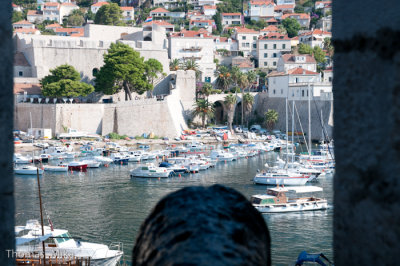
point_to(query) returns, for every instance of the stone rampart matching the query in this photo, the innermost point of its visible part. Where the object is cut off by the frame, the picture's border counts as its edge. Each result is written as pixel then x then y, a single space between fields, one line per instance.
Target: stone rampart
pixel 263 103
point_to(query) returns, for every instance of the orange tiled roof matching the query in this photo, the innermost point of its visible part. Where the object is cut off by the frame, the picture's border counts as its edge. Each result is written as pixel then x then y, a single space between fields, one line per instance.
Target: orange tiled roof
pixel 20 59
pixel 279 7
pixel 34 13
pixel 126 8
pixel 301 71
pixel 55 25
pixel 274 36
pixel 262 2
pixel 209 7
pixel 291 58
pixel 68 4
pixel 301 15
pixel 51 4
pixel 158 22
pixel 244 30
pixel 159 10
pixel 14 5
pixel 231 14
pixel 245 65
pixel 208 21
pixel 71 31
pixel 271 28
pixel 22 22
pixel 31 89
pixel 192 34
pixel 100 4
pixel 26 31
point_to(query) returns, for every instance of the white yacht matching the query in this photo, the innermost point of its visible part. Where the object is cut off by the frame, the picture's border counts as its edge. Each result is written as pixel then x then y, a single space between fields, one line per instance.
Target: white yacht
pixel 279 200
pixel 151 171
pixel 28 170
pixel 281 177
pixel 19 159
pixel 58 242
pixel 221 155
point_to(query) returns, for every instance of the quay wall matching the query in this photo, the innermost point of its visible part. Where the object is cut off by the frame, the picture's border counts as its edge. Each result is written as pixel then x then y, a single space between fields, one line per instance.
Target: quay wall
pixel 125 118
pixel 263 103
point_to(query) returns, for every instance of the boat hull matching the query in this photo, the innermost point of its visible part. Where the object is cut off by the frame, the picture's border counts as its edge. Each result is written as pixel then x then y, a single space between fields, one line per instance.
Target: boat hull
pixel 294 207
pixel 287 181
pixel 77 168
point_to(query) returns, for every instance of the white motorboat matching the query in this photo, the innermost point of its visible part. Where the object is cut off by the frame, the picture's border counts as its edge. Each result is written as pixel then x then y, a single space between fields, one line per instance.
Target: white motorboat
pixel 277 200
pixel 91 163
pixel 28 170
pixel 221 155
pixel 103 160
pixel 59 243
pixel 281 178
pixel 19 159
pixel 56 168
pixel 151 171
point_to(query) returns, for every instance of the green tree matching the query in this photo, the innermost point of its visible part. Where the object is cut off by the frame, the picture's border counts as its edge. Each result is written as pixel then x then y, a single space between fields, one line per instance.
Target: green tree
pixel 203 109
pixel 122 70
pixel 328 46
pixel 236 74
pixel 304 49
pixel 218 22
pixel 152 69
pixel 90 15
pixel 17 16
pixel 109 15
pixel 64 81
pixel 271 117
pixel 224 79
pixel 319 55
pixel 174 65
pixel 299 9
pixel 76 18
pixel 292 26
pixel 191 64
pixel 248 101
pixel 230 104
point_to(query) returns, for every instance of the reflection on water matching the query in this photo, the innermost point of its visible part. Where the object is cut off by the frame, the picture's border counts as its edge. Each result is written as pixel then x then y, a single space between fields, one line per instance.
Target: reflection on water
pixel 104 205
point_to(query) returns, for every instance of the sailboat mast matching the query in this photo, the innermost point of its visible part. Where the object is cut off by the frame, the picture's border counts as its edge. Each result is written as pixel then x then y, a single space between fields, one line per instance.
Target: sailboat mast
pixel 41 216
pixel 293 130
pixel 287 137
pixel 309 120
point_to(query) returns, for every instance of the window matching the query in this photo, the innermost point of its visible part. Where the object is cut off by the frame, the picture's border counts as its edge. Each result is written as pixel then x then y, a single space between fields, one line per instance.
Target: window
pixel 265 46
pixel 274 63
pixel 274 91
pixel 274 46
pixel 330 79
pixel 243 37
pixel 265 55
pixel 254 45
pixel 255 38
pixel 265 63
pixel 281 91
pixel 274 55
pixel 20 73
pixel 302 93
pixel 283 46
pixel 95 71
pixel 207 79
pixel 243 45
pixel 307 92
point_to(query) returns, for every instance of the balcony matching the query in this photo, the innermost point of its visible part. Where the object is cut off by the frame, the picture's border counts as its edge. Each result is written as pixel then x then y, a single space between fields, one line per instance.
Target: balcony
pixel 192 57
pixel 192 49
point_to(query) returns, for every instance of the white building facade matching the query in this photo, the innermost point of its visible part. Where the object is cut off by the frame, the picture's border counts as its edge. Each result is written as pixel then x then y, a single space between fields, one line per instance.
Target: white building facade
pixel 270 48
pixel 196 45
pixel 261 9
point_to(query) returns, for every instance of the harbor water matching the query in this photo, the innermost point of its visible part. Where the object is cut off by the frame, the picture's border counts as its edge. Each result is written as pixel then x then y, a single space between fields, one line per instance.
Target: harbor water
pixel 105 205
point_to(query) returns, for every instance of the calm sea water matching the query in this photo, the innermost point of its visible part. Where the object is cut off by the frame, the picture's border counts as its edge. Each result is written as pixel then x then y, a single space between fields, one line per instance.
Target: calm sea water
pixel 104 205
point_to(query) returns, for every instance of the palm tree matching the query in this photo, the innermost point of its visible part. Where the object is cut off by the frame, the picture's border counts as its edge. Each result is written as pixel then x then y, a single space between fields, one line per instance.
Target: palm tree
pixel 203 109
pixel 271 117
pixel 248 101
pixel 174 65
pixel 230 103
pixel 207 89
pixel 236 74
pixel 224 79
pixel 243 82
pixel 191 64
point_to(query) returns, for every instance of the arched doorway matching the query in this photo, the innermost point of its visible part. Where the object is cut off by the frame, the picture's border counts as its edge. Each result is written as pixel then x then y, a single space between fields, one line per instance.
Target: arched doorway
pixel 219 114
pixel 237 118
